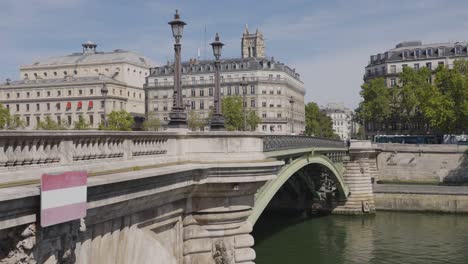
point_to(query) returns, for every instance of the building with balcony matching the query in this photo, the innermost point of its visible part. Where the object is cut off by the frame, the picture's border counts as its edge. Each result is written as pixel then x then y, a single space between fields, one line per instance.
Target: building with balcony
pixel 90 84
pixel 413 54
pixel 64 100
pixel 274 91
pixel 417 55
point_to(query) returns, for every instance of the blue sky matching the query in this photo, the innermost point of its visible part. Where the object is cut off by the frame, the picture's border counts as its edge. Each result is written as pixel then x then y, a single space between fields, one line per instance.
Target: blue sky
pixel 328 42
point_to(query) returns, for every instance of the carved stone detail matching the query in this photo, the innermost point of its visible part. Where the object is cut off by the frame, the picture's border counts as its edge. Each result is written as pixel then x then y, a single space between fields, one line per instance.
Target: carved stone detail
pixel 223 252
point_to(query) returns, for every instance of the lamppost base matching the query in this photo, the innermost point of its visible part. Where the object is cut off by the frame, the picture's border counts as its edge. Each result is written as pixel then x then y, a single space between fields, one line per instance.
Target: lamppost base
pixel 217 123
pixel 178 118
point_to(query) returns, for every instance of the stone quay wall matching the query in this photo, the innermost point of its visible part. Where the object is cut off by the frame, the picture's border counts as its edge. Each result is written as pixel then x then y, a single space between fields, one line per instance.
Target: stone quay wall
pixel 421 198
pixel 422 163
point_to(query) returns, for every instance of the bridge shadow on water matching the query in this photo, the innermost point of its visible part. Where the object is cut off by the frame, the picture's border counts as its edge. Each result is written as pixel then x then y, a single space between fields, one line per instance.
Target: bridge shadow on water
pixel 276 221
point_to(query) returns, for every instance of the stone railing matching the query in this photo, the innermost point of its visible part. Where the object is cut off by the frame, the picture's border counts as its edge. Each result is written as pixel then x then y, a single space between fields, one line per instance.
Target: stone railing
pixel 272 143
pixel 32 148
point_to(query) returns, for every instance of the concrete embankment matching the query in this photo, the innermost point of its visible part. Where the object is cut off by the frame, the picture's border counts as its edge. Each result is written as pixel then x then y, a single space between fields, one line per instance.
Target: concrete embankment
pixel 443 199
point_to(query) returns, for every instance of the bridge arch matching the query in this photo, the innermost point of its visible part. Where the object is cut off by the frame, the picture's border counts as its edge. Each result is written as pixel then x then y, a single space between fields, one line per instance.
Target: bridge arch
pixel 268 191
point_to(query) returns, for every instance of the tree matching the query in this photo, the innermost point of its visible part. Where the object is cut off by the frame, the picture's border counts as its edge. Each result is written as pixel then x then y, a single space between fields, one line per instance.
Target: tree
pixel 81 124
pixel 119 120
pixel 375 106
pixel 233 112
pixel 15 122
pixel 318 123
pixel 252 120
pixel 49 124
pixel 152 123
pixel 195 121
pixel 7 121
pixel 4 116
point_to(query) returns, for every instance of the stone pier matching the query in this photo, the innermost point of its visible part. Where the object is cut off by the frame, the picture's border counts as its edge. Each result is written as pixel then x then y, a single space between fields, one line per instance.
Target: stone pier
pixel 359 170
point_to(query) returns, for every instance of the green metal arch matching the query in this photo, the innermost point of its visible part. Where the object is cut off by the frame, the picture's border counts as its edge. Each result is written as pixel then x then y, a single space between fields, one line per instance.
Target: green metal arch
pixel 269 190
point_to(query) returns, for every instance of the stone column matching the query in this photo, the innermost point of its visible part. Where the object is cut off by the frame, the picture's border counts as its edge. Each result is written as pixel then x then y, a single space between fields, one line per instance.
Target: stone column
pixel 217 231
pixel 357 176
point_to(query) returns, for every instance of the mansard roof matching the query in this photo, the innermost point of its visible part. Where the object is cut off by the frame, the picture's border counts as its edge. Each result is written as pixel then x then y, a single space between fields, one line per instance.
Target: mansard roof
pixel 227 65
pixel 83 58
pixel 416 50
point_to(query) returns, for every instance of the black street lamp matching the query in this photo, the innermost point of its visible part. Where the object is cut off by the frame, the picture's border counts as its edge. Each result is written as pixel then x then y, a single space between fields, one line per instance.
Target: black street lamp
pixel 217 121
pixel 104 92
pixel 177 116
pixel 244 84
pixel 291 102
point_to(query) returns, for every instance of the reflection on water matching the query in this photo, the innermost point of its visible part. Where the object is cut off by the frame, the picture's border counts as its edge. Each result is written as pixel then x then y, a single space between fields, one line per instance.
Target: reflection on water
pixel 388 237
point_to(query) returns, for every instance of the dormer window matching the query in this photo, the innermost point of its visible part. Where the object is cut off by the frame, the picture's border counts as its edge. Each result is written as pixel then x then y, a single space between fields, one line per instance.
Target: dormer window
pixel 458 50
pixel 417 53
pixel 440 52
pixel 429 52
pixel 405 54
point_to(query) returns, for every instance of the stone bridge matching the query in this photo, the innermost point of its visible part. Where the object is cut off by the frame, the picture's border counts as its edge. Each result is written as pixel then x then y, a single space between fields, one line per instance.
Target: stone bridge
pixel 171 197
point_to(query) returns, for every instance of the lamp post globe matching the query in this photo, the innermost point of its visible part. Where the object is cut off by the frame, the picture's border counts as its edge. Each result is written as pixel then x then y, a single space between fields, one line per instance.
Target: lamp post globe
pixel 217 121
pixel 217 47
pixel 177 26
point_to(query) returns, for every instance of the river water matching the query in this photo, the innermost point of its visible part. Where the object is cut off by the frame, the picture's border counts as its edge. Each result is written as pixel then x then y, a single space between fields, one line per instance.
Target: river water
pixel 387 237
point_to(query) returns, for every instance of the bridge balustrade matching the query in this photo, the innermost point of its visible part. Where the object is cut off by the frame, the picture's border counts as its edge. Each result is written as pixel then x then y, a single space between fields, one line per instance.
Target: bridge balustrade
pixel 282 142
pixel 22 149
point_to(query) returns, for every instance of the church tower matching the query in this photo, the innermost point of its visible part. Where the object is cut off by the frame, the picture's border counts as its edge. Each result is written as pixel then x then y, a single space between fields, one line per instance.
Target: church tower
pixel 252 45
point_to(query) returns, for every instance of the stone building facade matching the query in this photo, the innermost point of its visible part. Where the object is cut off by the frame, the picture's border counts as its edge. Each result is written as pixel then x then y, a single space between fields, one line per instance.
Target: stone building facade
pixel 342 119
pixel 90 84
pixel 274 91
pixel 414 54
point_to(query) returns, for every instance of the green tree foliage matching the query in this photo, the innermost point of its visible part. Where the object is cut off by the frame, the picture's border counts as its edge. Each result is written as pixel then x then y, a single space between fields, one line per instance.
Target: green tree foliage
pixel 49 124
pixel 152 123
pixel 119 120
pixel 7 121
pixel 442 104
pixel 195 122
pixel 232 111
pixel 15 122
pixel 318 123
pixel 4 116
pixel 252 120
pixel 375 106
pixel 81 124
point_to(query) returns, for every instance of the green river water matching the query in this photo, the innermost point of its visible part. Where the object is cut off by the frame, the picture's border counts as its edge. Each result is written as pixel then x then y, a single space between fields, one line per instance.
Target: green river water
pixel 387 237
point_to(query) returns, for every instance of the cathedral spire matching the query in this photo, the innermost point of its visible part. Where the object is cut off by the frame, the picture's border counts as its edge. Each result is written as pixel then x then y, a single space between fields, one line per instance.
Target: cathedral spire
pixel 246 29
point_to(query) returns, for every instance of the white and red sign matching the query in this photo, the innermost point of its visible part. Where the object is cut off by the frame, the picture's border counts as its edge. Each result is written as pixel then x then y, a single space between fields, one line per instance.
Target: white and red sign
pixel 63 197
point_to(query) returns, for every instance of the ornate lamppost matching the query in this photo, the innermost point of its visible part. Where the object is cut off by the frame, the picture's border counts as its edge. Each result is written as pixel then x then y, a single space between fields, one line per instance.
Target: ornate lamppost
pixel 178 116
pixel 243 85
pixel 217 121
pixel 291 102
pixel 104 92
